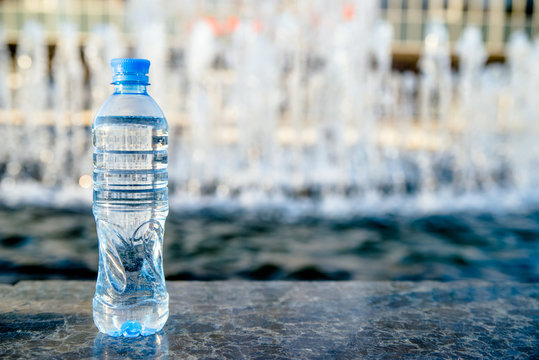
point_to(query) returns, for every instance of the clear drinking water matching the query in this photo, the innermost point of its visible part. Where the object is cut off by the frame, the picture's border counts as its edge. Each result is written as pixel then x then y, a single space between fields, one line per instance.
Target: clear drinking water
pixel 130 137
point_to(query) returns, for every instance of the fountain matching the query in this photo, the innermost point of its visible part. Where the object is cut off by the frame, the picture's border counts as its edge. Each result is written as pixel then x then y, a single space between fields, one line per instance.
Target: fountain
pixel 5 99
pixel 291 105
pixel 27 136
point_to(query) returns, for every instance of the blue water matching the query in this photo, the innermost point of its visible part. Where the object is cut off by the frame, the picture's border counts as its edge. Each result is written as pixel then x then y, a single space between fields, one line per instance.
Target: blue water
pixel 212 244
pixel 130 208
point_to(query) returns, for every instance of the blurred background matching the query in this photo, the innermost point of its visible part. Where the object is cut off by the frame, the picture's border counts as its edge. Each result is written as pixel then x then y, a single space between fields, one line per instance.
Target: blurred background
pixel 309 139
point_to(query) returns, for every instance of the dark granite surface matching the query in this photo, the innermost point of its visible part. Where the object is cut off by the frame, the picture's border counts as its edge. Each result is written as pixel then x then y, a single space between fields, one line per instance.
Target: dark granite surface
pixel 284 320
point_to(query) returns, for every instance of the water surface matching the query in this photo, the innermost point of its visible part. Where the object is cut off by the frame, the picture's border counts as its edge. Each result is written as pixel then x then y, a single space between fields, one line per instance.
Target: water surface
pixel 210 244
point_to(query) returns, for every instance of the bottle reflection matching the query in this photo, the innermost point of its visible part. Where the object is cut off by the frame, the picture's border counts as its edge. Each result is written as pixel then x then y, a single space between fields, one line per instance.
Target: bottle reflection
pixel 144 347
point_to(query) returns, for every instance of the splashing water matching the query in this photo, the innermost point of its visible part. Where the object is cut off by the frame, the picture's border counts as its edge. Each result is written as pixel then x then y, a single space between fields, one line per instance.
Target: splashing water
pixel 284 107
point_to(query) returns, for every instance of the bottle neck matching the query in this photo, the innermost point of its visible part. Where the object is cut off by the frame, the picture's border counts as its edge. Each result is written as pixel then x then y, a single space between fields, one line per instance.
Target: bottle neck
pixel 130 88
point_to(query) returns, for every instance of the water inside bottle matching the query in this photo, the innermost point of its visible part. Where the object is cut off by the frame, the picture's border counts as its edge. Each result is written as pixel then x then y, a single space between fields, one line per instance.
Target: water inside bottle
pixel 130 208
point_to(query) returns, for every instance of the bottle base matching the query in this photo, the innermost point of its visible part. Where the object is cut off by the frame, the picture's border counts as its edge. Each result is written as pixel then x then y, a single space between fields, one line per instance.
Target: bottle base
pixel 131 328
pixel 142 319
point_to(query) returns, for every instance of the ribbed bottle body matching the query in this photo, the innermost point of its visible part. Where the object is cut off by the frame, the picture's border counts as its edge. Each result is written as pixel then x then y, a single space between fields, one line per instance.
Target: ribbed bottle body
pixel 130 207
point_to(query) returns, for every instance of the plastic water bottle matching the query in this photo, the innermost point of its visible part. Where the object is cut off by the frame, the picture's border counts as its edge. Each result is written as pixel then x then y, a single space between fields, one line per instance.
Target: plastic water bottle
pixel 130 137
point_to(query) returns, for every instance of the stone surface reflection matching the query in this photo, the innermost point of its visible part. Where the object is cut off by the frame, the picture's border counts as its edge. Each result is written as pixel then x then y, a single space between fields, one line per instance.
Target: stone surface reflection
pixel 284 320
pixel 144 347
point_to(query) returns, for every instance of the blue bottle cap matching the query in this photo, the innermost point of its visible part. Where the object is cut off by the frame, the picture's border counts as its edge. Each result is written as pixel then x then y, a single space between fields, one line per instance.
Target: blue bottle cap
pixel 130 70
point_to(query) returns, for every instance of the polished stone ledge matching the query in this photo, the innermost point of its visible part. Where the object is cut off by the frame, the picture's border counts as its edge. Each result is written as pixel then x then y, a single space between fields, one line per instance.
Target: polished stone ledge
pixel 284 320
